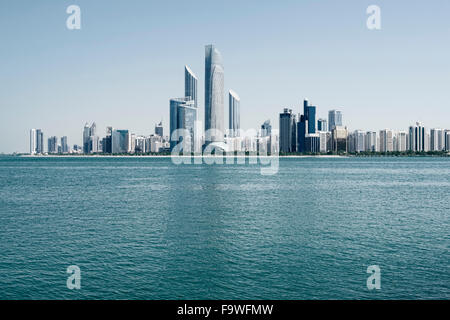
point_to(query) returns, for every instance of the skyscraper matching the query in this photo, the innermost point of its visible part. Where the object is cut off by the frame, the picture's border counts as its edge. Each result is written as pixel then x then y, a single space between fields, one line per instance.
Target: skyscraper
pixel 39 141
pixel 334 119
pixel 417 137
pixel 159 129
pixel 371 141
pixel 287 131
pixel 437 139
pixel 310 115
pixel 266 129
pixel 183 115
pixel 322 125
pixel 234 113
pixel 386 140
pixel 190 85
pixel 214 95
pixel 33 141
pixel 64 145
pixel 120 141
pixel 52 145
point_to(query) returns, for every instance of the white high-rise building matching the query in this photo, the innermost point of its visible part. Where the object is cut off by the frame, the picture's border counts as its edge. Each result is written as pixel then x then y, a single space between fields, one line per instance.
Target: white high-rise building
pixel 371 141
pixel 401 141
pixel 33 140
pixel 214 96
pixel 386 140
pixel 437 139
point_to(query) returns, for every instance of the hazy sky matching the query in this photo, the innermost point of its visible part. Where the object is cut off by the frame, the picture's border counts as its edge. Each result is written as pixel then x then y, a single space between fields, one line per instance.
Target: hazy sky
pixel 128 60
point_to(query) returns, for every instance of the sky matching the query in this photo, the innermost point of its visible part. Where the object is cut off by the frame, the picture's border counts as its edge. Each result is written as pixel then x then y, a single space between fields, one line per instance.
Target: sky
pixel 127 60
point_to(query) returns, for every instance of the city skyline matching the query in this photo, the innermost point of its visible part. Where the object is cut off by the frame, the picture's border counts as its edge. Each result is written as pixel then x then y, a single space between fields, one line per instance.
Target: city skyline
pixel 333 58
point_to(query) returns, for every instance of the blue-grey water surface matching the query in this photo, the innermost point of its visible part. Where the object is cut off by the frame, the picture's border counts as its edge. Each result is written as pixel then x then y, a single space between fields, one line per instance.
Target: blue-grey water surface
pixel 144 228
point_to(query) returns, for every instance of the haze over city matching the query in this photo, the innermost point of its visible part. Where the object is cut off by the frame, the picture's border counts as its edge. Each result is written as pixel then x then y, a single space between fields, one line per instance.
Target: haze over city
pixel 128 60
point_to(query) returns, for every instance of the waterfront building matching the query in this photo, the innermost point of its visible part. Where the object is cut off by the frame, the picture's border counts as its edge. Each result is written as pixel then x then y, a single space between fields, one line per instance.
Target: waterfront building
pixel 52 145
pixel 64 145
pixel 120 141
pixel 190 85
pixel 437 139
pixel 33 142
pixel 159 129
pixel 386 140
pixel 234 113
pixel 214 96
pixel 183 115
pixel 447 140
pixel 287 131
pixel 322 125
pixel 371 141
pixel 417 137
pixel 339 139
pixel 401 141
pixel 334 119
pixel 312 143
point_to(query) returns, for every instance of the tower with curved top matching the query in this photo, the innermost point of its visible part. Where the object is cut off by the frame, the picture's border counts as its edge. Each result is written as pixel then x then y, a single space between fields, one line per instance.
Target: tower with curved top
pixel 214 95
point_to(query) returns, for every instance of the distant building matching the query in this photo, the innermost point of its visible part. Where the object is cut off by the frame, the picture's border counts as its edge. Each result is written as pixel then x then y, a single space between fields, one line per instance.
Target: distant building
pixel 371 141
pixel 322 125
pixel 120 141
pixel 266 129
pixel 52 145
pixel 312 143
pixel 64 145
pixel 90 139
pixel 334 119
pixel 386 140
pixel 39 141
pixel 214 96
pixel 447 140
pixel 190 86
pixel 159 129
pixel 437 139
pixel 33 142
pixel 234 113
pixel 287 131
pixel 401 141
pixel 183 115
pixel 417 138
pixel 339 139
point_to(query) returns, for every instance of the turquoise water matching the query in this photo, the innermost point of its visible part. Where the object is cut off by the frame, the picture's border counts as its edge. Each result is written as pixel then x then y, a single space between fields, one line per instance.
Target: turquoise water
pixel 143 228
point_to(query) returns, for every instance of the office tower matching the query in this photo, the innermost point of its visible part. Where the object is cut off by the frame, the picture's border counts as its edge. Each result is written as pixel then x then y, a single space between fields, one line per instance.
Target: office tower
pixel 86 135
pixel 302 131
pixel 447 140
pixel 120 141
pixel 234 113
pixel 312 143
pixel 159 129
pixel 214 95
pixel 266 129
pixel 33 141
pixel 309 113
pixel 339 139
pixel 287 131
pixel 64 145
pixel 386 140
pixel 401 141
pixel 417 138
pixel 371 141
pixel 359 141
pixel 39 141
pixel 437 139
pixel 325 139
pixel 334 119
pixel 183 115
pixel 322 125
pixel 190 85
pixel 52 145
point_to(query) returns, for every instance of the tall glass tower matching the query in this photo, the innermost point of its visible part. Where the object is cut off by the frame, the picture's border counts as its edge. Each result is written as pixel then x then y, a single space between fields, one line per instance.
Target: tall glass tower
pixel 334 119
pixel 214 95
pixel 183 115
pixel 190 85
pixel 234 113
